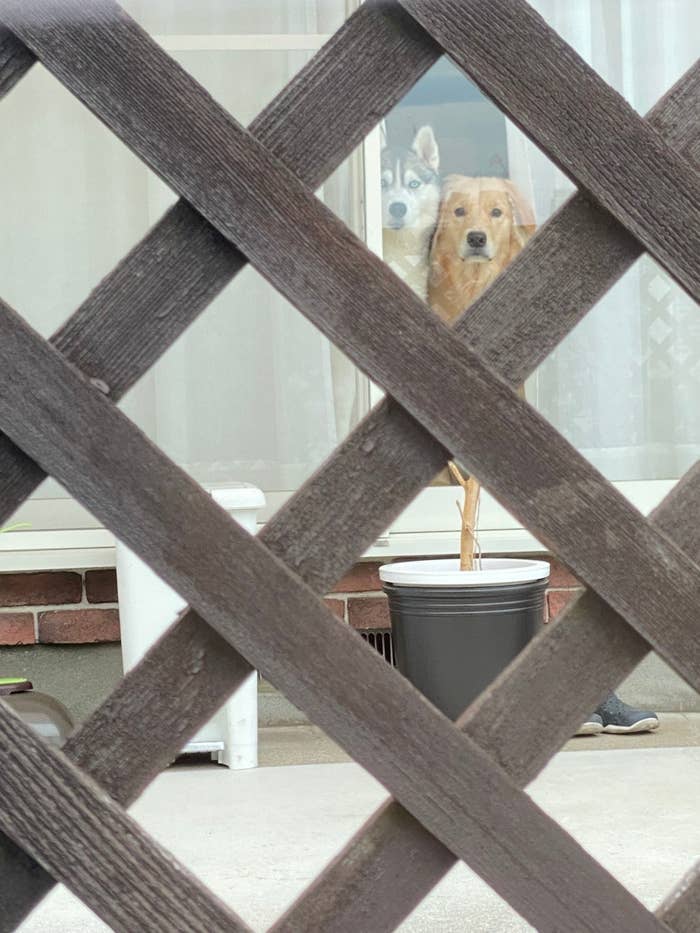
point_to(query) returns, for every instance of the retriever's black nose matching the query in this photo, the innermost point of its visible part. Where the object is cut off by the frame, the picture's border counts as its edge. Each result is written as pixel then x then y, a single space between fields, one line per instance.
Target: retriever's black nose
pixel 476 238
pixel 397 209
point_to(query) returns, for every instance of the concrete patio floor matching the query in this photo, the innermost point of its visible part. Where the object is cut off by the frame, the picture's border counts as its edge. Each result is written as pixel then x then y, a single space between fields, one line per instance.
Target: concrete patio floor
pixel 259 837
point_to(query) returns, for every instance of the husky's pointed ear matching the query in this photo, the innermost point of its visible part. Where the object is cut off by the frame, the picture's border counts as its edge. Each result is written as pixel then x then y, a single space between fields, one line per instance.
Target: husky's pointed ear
pixel 382 134
pixel 425 146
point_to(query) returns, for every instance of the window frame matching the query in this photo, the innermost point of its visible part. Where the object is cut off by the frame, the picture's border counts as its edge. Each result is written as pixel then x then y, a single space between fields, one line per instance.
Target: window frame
pixel 64 535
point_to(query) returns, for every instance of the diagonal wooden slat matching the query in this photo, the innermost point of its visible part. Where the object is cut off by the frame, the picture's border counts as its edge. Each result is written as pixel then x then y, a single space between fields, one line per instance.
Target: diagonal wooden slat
pixel 575 258
pixel 254 600
pixel 510 723
pixel 130 739
pixel 579 232
pixel 584 247
pixel 92 846
pixel 161 286
pixel 290 236
pixel 587 244
pixel 681 909
pixel 296 540
pixel 582 124
pixel 134 739
pixel 168 279
pixel 15 61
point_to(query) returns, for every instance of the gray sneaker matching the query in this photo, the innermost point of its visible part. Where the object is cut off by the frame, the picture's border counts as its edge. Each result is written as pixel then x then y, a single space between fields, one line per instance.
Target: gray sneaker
pixel 592 726
pixel 618 717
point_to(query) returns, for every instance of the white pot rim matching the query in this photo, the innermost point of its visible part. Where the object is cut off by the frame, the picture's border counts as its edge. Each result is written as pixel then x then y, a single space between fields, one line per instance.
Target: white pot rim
pixel 446 572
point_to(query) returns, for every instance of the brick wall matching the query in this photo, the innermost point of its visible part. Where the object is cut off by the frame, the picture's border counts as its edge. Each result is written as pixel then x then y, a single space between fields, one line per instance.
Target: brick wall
pixel 63 607
pixel 359 600
pixel 58 607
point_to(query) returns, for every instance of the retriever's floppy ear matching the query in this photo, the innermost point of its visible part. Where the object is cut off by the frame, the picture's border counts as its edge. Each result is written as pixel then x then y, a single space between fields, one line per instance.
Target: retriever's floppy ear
pixel 523 215
pixel 425 146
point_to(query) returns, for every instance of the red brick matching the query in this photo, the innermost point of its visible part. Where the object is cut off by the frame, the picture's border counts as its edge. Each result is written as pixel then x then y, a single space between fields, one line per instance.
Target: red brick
pixel 101 586
pixel 40 589
pixel 78 626
pixel 558 600
pixel 363 578
pixel 16 628
pixel 370 612
pixel 337 607
pixel 560 577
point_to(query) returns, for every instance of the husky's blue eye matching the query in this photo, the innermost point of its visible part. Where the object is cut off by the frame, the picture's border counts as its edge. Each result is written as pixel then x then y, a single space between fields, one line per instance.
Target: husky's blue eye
pixel 414 184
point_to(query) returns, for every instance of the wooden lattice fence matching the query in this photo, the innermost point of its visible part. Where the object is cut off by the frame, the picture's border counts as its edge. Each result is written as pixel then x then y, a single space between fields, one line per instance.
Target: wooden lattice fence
pixel 247 196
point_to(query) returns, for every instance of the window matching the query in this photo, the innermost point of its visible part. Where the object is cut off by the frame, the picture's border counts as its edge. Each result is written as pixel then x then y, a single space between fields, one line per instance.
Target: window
pixel 621 387
pixel 252 391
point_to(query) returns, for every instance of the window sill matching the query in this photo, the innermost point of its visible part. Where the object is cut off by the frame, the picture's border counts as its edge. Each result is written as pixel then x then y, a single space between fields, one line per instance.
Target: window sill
pixel 85 549
pixel 446 543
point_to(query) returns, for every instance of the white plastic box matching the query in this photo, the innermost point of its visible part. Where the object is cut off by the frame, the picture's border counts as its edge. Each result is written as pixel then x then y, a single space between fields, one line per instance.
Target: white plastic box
pixel 148 606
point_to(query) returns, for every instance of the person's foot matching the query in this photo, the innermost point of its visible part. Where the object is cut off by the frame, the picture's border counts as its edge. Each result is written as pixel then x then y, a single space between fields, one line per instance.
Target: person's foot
pixel 618 717
pixel 592 726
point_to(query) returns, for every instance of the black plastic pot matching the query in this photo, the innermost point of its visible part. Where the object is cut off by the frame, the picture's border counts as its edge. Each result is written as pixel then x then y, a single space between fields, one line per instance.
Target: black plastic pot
pixel 452 639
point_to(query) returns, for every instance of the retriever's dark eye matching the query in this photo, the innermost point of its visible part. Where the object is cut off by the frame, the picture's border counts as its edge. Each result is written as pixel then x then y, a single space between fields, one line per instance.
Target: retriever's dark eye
pixel 496 212
pixel 460 212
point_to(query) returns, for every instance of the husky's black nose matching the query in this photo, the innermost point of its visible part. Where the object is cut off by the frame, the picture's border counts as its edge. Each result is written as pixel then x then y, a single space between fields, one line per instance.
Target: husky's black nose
pixel 476 239
pixel 397 209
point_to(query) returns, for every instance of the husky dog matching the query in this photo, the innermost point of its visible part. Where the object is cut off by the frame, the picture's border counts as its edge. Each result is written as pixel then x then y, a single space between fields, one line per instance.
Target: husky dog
pixel 410 202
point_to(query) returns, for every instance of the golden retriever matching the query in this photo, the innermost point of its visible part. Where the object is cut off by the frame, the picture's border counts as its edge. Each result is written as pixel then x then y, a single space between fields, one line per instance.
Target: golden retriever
pixel 482 225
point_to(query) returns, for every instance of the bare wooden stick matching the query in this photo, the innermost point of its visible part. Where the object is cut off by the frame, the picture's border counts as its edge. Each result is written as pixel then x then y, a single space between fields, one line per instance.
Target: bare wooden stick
pixel 467 512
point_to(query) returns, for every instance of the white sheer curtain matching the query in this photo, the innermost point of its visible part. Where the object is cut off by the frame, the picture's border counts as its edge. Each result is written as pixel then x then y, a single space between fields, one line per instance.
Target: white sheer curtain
pixel 252 391
pixel 623 387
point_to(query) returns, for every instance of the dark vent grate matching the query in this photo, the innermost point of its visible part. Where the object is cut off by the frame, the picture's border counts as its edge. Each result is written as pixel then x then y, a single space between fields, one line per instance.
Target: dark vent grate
pixel 381 640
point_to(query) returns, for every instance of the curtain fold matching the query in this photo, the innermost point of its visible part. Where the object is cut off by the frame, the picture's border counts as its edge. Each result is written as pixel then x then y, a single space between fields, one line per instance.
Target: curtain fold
pixel 252 392
pixel 623 386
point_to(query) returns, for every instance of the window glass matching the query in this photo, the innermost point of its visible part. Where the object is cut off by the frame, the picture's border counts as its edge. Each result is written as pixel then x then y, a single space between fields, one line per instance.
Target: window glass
pixel 622 386
pixel 252 392
pixel 219 17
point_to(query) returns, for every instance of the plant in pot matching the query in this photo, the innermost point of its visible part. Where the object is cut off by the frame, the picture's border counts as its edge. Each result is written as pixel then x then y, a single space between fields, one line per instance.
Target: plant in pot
pixel 458 622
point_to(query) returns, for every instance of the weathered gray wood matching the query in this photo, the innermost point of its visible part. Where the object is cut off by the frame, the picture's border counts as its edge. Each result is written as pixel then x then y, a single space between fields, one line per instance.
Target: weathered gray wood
pixel 253 600
pixel 128 751
pixel 134 734
pixel 309 255
pixel 393 851
pixel 582 124
pixel 155 292
pixel 161 286
pixel 574 259
pixel 69 825
pixel 15 61
pixel 681 909
pixel 183 263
